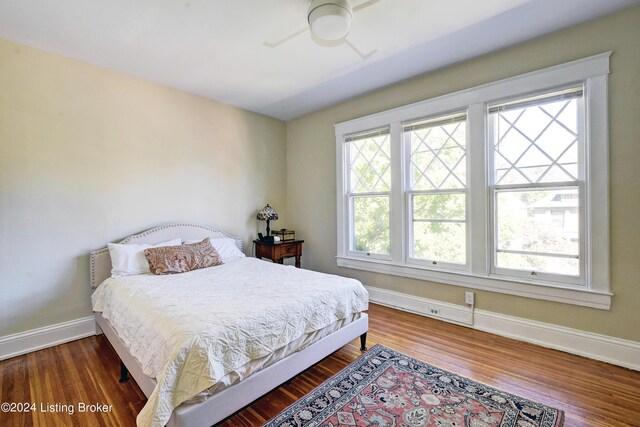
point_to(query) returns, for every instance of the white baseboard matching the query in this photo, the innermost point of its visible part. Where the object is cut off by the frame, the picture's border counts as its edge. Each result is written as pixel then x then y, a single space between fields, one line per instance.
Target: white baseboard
pixel 426 307
pixel 612 350
pixel 616 351
pixel 48 336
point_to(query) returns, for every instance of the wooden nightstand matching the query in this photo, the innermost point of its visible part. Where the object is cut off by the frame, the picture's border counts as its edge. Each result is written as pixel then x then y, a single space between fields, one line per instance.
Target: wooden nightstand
pixel 277 252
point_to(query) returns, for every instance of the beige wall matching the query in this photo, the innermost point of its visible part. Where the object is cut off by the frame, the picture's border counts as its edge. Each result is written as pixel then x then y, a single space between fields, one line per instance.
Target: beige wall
pixel 311 188
pixel 88 156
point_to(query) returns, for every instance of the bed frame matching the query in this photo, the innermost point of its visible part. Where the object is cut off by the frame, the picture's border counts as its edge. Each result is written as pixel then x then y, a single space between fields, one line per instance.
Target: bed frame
pixel 225 402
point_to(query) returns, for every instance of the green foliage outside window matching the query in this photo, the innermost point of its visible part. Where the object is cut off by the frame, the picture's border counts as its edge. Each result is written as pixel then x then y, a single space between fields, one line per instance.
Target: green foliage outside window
pixel 371 225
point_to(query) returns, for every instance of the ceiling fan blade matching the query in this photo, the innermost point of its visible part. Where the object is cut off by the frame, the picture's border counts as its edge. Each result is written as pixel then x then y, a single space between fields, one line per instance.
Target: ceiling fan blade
pixel 286 39
pixel 363 5
pixel 356 50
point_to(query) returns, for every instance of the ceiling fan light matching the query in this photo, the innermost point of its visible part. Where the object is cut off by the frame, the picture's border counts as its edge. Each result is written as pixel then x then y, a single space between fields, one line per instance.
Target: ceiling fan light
pixel 330 20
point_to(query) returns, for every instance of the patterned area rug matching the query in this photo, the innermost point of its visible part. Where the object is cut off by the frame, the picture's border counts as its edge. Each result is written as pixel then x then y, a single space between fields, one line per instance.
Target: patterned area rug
pixel 385 388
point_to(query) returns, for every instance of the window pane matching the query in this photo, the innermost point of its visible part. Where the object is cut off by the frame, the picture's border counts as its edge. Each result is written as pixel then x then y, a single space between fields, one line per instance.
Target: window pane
pixel 565 266
pixel 536 142
pixel 370 164
pixel 440 241
pixel 536 222
pixel 438 161
pixel 439 230
pixel 438 154
pixel 439 206
pixel 371 224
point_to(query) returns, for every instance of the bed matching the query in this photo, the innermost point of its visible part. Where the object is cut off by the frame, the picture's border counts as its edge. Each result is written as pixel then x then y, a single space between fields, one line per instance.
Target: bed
pixel 237 336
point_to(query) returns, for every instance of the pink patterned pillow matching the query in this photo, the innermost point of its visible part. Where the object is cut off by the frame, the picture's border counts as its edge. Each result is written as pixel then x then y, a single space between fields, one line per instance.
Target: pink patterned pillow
pixel 183 258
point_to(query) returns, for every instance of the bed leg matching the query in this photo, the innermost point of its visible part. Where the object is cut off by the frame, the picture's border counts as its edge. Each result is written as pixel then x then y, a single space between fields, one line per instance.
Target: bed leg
pixel 363 342
pixel 124 373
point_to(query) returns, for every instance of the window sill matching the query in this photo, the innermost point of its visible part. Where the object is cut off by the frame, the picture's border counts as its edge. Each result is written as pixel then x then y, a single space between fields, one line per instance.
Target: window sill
pixel 567 295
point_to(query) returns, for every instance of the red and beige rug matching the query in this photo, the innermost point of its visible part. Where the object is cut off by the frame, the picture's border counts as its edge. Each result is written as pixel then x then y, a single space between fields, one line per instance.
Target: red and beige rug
pixel 385 388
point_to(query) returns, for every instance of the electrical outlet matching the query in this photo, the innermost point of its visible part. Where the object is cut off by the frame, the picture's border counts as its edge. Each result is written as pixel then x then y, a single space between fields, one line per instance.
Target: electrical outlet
pixel 433 311
pixel 469 298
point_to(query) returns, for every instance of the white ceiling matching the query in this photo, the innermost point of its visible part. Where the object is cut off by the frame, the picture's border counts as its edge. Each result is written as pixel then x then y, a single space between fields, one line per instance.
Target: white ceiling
pixel 214 48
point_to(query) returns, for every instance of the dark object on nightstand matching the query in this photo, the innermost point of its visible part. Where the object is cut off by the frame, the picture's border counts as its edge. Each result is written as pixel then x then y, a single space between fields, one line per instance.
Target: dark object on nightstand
pixel 278 251
pixel 266 239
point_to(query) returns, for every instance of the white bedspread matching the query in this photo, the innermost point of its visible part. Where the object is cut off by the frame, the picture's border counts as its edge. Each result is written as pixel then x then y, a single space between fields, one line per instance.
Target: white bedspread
pixel 191 329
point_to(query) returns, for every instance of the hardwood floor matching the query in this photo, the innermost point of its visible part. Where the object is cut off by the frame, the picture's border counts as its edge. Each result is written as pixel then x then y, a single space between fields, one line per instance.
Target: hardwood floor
pixel 591 393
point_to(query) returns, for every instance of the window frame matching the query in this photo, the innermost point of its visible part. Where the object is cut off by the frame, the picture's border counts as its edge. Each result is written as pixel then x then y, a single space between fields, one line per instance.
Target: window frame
pixel 409 193
pixel 592 72
pixel 350 197
pixel 495 189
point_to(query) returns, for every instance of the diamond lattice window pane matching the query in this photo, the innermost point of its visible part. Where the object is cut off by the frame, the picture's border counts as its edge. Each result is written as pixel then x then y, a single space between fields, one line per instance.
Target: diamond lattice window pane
pixel 569 117
pixel 370 164
pixel 534 173
pixel 438 156
pixel 569 161
pixel 460 172
pixel 552 108
pixel 557 173
pixel 555 140
pixel 506 118
pixel 532 123
pixel 512 145
pixel 512 176
pixel 536 143
pixel 534 156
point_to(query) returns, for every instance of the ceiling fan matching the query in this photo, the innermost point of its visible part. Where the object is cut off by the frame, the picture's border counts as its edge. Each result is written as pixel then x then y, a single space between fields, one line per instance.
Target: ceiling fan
pixel 329 23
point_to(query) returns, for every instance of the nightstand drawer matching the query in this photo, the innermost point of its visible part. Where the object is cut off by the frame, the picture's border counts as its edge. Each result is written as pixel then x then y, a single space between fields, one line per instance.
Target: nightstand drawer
pixel 288 250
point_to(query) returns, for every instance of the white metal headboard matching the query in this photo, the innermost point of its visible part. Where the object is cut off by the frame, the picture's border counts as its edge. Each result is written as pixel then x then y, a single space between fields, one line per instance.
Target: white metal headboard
pixel 100 261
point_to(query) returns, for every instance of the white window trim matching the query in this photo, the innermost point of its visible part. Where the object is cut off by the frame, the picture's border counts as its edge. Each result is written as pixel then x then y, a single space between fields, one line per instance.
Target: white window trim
pixel 593 71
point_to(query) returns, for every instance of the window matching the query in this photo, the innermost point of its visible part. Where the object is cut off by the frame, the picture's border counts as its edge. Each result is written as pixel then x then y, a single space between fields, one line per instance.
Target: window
pixel 369 186
pixel 437 176
pixel 500 187
pixel 537 146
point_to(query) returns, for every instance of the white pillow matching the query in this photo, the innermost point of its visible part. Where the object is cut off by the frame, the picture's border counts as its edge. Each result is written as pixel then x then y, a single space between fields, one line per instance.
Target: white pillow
pixel 129 259
pixel 225 246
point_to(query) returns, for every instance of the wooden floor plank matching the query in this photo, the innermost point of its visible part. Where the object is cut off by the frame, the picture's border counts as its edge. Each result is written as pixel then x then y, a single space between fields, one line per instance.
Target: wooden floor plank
pixel 591 393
